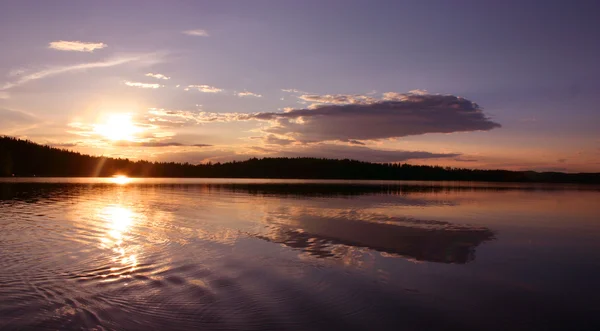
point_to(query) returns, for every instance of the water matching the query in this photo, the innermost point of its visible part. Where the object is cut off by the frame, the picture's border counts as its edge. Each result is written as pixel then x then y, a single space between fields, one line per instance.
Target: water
pixel 157 254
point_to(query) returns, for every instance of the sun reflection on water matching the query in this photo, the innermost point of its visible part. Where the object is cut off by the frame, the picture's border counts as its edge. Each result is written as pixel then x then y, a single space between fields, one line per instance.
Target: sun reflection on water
pixel 119 221
pixel 120 179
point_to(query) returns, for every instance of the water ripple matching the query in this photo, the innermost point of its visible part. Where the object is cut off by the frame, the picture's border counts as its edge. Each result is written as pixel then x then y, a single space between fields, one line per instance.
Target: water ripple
pixel 270 257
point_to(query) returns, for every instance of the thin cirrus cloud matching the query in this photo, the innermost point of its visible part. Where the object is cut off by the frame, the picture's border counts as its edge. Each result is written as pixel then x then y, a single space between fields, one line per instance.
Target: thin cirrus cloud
pixel 338 99
pixel 249 94
pixel 142 85
pixel 14 120
pixel 158 76
pixel 293 90
pixel 76 46
pixel 23 79
pixel 204 88
pixel 196 33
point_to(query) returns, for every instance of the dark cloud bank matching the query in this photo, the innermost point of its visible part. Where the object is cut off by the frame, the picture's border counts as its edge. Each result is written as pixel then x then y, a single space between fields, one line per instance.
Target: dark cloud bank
pixel 397 115
pixel 350 119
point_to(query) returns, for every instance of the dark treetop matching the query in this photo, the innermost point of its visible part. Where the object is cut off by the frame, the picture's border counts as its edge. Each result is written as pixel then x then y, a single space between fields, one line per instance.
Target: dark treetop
pixel 25 158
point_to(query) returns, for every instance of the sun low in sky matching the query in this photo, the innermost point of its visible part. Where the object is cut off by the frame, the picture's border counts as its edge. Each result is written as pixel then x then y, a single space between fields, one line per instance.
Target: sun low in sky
pixel 427 84
pixel 118 127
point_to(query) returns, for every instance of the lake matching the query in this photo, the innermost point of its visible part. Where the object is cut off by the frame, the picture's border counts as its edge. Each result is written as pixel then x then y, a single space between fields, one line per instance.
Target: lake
pixel 226 254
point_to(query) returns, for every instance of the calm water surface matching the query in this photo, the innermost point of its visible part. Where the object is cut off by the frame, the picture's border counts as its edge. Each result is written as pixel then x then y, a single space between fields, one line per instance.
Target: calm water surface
pixel 167 254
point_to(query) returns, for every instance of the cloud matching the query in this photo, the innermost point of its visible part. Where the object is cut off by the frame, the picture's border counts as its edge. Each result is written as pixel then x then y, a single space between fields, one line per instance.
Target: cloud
pixel 355 142
pixel 338 99
pixel 408 114
pixel 334 151
pixel 293 90
pixel 196 33
pixel 204 88
pixel 185 117
pixel 70 68
pixel 65 145
pixel 171 117
pixel 142 85
pixel 158 76
pixel 272 139
pixel 462 159
pixel 12 121
pixel 398 115
pixel 156 144
pixel 76 46
pixel 360 153
pixel 248 94
pixel 147 144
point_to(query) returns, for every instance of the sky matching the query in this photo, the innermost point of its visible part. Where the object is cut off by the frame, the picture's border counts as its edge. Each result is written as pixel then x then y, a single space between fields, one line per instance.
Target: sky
pixel 476 84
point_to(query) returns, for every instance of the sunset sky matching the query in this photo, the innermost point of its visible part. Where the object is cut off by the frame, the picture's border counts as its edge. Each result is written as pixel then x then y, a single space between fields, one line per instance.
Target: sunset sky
pixel 476 84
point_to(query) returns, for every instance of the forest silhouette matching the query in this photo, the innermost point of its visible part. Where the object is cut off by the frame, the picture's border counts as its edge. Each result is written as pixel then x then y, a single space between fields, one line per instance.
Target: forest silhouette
pixel 25 158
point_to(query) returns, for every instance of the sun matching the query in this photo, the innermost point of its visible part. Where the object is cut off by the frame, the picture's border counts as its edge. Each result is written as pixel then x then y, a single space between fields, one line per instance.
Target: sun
pixel 120 179
pixel 118 127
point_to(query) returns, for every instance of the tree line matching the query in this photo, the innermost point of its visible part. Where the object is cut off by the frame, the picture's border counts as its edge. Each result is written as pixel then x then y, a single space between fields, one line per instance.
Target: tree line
pixel 25 158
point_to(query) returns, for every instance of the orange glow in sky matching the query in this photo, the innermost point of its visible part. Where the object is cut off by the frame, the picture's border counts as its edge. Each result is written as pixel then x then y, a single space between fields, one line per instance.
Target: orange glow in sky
pixel 118 127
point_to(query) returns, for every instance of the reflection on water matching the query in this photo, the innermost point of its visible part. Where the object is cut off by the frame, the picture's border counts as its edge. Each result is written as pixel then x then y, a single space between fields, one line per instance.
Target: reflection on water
pixel 119 220
pixel 422 242
pixel 120 179
pixel 126 254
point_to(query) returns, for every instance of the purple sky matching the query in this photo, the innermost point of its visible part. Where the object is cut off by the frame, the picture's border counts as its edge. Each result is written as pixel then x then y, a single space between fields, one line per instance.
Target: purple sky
pixel 481 84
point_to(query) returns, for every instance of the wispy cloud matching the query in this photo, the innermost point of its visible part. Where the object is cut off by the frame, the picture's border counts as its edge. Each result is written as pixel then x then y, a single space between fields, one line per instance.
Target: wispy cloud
pixel 14 120
pixel 76 46
pixel 157 76
pixel 65 145
pixel 142 85
pixel 274 140
pixel 293 90
pixel 186 117
pixel 338 99
pixel 248 94
pixel 411 95
pixel 196 33
pixel 204 88
pixel 66 69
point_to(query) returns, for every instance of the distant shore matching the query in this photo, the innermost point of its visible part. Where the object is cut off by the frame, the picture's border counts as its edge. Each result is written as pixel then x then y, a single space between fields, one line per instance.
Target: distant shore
pixel 22 158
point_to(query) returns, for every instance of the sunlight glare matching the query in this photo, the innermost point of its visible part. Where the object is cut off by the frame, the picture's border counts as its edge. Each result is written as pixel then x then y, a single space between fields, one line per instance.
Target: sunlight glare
pixel 119 221
pixel 118 127
pixel 120 179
